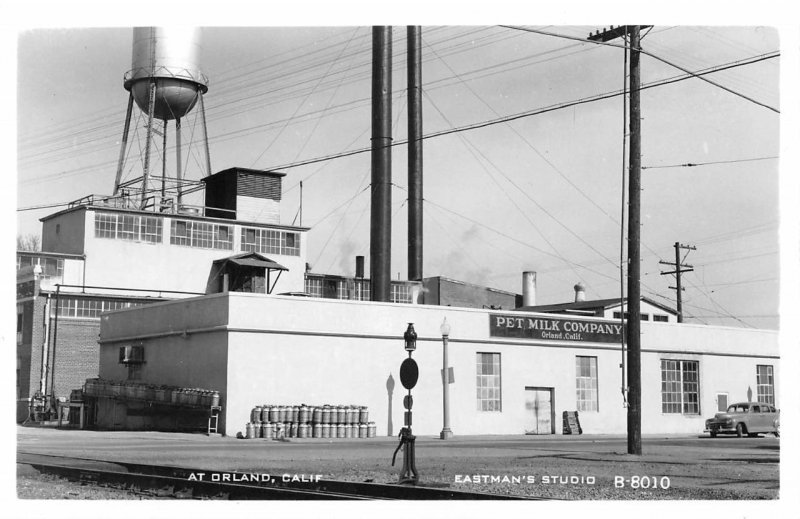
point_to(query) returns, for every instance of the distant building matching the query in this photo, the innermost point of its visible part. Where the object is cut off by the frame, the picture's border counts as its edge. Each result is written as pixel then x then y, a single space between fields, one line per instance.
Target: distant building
pixel 610 308
pixel 444 291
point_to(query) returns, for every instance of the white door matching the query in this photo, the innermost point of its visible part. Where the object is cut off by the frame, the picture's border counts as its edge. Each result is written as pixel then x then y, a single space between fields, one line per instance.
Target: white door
pixel 538 411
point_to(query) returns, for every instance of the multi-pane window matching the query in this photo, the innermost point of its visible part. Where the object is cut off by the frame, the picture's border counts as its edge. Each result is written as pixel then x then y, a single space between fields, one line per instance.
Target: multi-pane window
pixel 400 293
pixel 90 308
pixel 270 241
pixel 680 386
pixel 660 318
pixel 765 382
pixel 132 227
pixel 362 290
pixel 586 383
pixel 488 382
pixel 51 267
pixel 314 287
pixel 201 234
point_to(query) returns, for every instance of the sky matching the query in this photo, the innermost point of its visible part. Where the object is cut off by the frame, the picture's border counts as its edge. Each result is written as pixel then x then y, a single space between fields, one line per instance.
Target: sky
pixel 541 192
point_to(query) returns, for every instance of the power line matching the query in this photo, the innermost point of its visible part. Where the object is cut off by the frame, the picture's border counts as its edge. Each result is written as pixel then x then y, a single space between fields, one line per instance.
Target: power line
pixel 696 164
pixel 546 33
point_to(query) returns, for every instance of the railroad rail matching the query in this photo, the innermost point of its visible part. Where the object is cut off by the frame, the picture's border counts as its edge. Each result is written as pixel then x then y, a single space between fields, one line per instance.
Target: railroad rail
pixel 169 481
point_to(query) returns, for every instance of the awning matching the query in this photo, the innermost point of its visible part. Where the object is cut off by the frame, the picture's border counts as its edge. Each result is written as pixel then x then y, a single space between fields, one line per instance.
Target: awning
pixel 256 262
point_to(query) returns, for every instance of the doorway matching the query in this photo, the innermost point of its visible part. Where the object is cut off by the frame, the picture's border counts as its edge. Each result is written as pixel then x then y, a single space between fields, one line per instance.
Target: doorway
pixel 722 402
pixel 540 410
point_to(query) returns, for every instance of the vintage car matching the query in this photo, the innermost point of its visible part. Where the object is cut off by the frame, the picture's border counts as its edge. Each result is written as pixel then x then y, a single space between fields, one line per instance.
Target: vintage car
pixel 750 418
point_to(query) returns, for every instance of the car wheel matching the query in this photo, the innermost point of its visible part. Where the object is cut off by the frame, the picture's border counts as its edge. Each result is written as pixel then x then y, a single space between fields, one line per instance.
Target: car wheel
pixel 740 430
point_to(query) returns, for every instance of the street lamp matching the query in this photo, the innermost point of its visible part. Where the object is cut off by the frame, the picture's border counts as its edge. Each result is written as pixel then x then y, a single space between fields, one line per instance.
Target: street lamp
pixel 446 433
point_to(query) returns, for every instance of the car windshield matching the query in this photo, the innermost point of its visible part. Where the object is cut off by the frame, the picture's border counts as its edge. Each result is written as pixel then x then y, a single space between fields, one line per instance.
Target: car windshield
pixel 737 408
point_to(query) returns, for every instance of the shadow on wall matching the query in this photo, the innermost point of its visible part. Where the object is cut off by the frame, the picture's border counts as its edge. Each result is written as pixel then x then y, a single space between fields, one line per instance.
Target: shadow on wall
pixel 389 390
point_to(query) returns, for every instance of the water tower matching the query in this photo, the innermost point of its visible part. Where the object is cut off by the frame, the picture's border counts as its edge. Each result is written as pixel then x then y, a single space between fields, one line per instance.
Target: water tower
pixel 165 81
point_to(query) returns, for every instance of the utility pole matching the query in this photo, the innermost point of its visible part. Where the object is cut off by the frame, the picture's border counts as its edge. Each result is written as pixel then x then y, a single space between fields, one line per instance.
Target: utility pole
pixel 634 238
pixel 680 267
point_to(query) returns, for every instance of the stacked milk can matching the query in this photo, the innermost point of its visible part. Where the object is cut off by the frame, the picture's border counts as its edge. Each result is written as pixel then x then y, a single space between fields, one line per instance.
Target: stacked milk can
pixel 308 421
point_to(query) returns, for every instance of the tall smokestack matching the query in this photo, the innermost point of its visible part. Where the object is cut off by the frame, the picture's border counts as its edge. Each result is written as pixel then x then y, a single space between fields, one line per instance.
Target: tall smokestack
pixel 528 288
pixel 380 246
pixel 580 292
pixel 414 37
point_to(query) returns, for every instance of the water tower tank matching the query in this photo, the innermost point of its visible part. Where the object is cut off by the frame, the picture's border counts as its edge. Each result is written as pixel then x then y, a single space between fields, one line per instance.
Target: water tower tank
pixel 170 56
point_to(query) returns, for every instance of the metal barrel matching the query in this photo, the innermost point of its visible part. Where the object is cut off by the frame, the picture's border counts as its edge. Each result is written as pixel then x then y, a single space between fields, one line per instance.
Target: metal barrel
pixel 316 432
pixel 363 415
pixel 273 414
pixel 362 430
pixel 316 415
pixel 302 416
pixel 249 431
pixel 326 430
pixel 326 414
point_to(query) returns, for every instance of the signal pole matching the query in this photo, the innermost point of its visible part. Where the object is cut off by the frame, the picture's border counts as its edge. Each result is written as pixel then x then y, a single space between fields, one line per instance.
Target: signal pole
pixel 679 269
pixel 634 237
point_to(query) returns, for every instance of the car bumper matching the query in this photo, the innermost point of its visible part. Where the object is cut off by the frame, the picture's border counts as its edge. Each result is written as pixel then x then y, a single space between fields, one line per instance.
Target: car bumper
pixel 720 428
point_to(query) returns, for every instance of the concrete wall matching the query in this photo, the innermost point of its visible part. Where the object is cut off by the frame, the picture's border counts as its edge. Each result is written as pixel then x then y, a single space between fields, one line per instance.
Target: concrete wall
pixel 65 233
pixel 284 350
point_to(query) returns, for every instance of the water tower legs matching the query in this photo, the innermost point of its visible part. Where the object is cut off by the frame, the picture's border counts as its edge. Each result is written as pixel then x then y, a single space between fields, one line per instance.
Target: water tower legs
pixel 179 161
pixel 205 131
pixel 124 145
pixel 150 111
pixel 164 167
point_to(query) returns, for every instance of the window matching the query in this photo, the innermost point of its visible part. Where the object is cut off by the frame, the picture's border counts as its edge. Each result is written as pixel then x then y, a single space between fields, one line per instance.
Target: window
pixel 645 317
pixel 270 241
pixel 488 382
pixel 131 227
pixel 134 371
pixel 660 318
pixel 105 225
pixel 400 293
pixel 765 382
pixel 90 308
pixel 314 287
pixel 586 383
pixel 201 234
pixel 680 386
pixel 20 316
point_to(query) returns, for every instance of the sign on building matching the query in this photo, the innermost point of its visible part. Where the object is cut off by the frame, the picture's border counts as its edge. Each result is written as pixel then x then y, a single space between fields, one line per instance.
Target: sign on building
pixel 554 329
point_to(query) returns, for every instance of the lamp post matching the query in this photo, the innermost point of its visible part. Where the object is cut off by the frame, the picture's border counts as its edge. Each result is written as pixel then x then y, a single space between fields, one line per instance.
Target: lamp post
pixel 446 433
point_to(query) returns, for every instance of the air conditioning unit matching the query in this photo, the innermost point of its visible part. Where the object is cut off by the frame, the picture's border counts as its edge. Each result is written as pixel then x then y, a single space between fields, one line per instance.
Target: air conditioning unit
pixel 131 354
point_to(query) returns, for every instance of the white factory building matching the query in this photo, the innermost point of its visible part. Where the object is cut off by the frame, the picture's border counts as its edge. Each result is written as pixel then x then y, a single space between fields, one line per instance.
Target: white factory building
pixel 514 371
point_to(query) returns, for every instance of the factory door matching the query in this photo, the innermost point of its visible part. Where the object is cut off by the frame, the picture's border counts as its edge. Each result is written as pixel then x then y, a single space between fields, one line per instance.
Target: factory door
pixel 539 413
pixel 722 402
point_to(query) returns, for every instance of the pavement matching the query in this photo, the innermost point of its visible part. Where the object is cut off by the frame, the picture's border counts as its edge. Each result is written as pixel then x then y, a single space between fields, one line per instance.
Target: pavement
pixel 581 466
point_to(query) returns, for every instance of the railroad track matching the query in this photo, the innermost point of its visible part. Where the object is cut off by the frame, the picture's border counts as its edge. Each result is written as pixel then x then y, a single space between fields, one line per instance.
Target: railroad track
pixel 168 481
